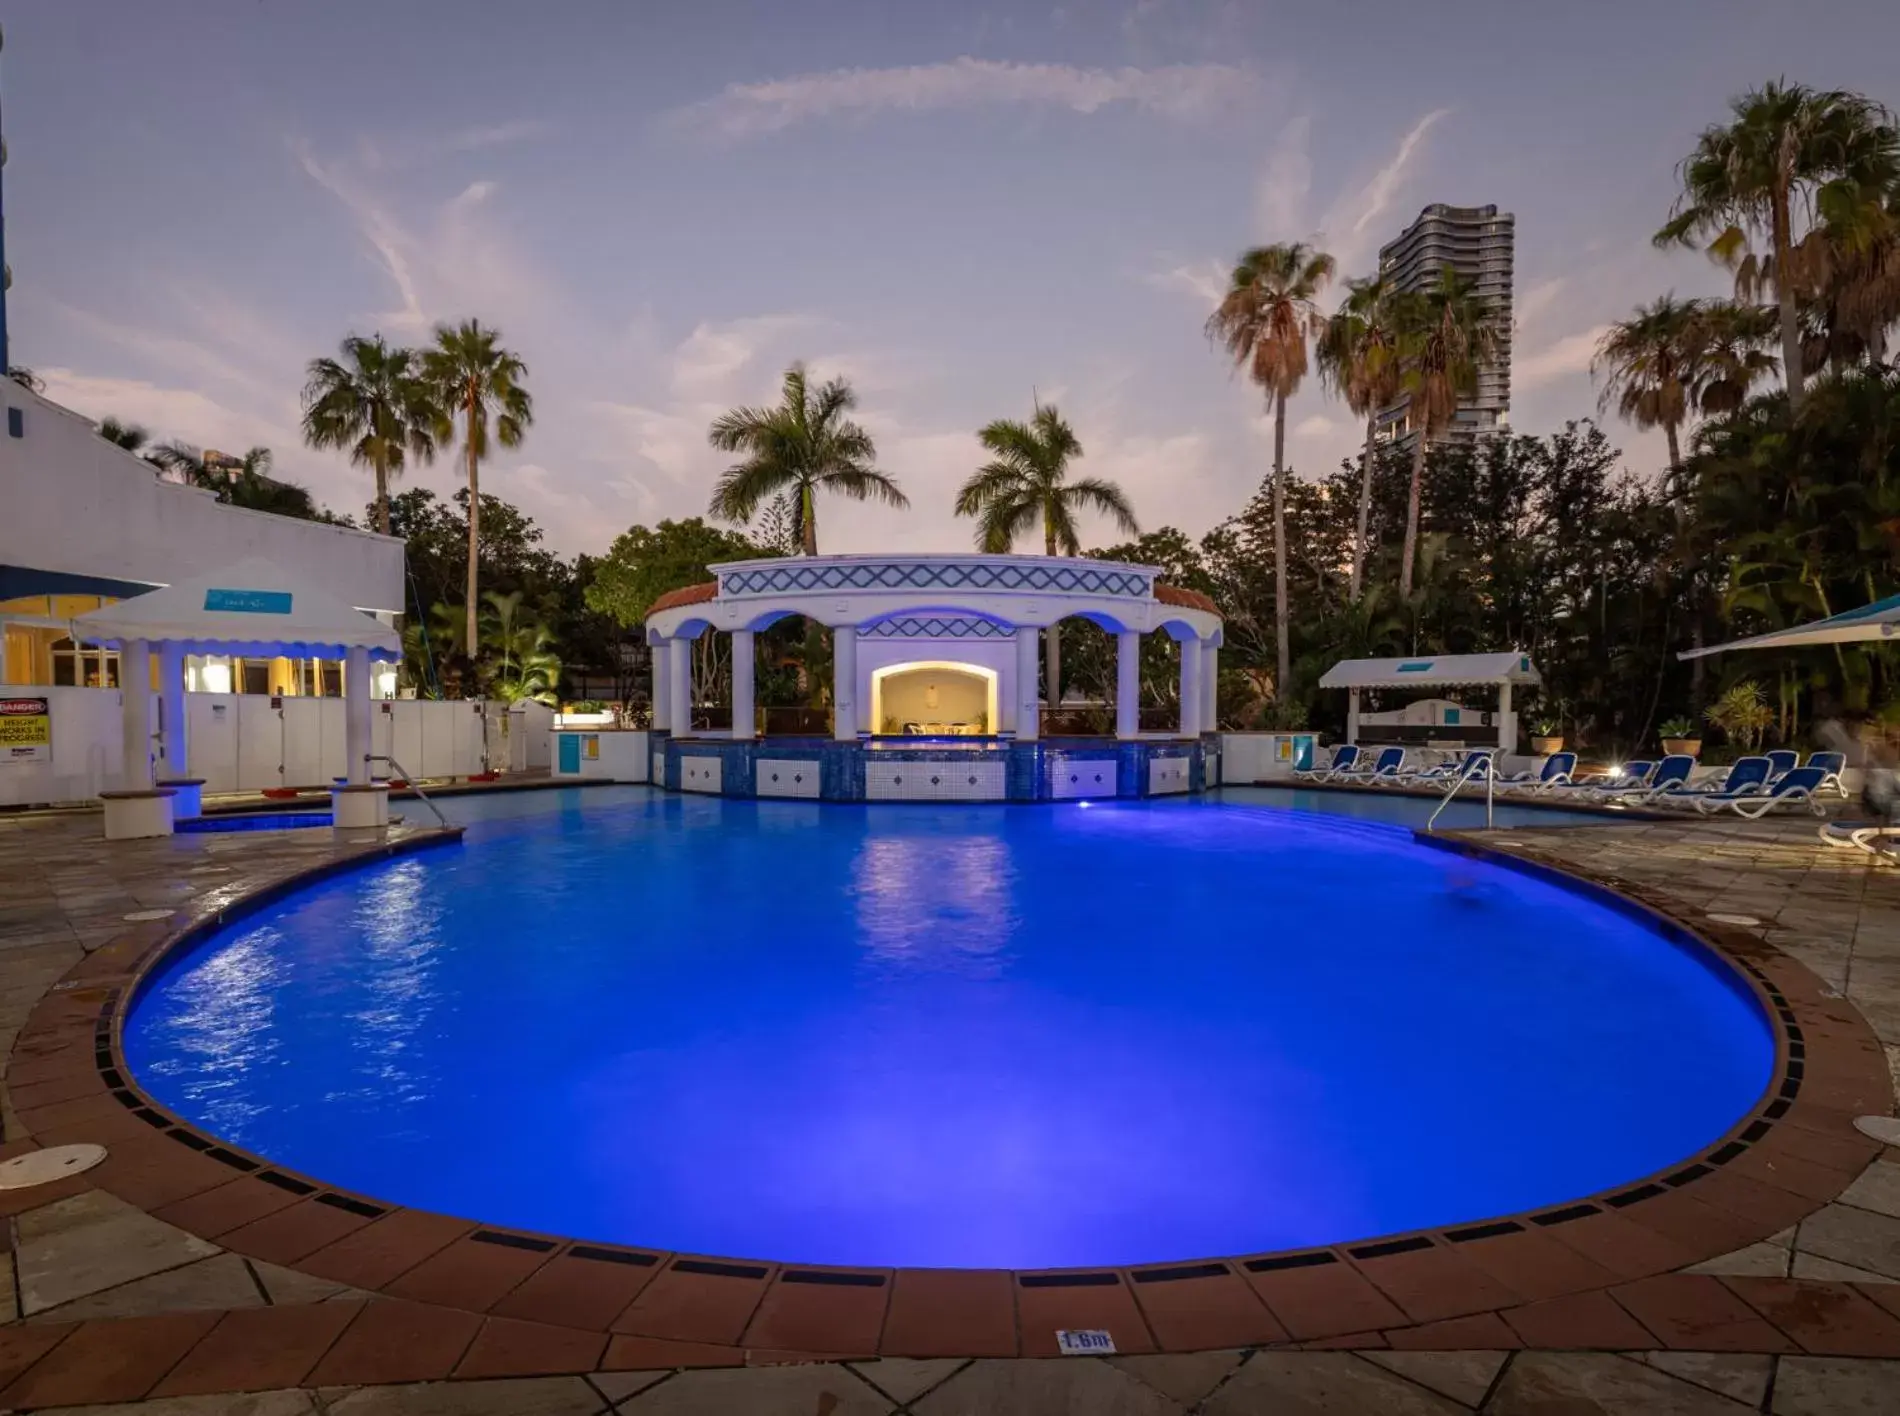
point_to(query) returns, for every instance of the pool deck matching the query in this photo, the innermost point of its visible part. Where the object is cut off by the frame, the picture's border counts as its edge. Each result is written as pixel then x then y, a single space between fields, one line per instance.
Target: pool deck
pixel 175 1273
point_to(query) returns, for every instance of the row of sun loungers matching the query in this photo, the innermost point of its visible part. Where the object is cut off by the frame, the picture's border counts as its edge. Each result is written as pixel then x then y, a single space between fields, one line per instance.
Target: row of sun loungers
pixel 1751 787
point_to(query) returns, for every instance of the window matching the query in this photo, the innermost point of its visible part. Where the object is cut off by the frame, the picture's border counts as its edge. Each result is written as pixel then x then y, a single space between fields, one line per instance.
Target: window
pixel 256 676
pixel 16 423
pixel 83 666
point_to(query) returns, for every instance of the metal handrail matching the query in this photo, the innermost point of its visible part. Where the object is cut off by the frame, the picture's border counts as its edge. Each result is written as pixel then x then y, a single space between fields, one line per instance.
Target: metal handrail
pixel 414 785
pixel 1488 765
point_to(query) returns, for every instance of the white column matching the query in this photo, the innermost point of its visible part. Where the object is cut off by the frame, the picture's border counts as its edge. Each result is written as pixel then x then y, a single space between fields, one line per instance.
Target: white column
pixel 172 742
pixel 1210 686
pixel 1028 674
pixel 1507 721
pixel 1352 715
pixel 679 686
pixel 356 748
pixel 135 696
pixel 744 725
pixel 1190 687
pixel 844 683
pixel 662 705
pixel 1128 684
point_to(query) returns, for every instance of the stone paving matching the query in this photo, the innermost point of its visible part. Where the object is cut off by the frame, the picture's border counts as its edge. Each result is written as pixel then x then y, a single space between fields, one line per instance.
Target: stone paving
pixel 111 1299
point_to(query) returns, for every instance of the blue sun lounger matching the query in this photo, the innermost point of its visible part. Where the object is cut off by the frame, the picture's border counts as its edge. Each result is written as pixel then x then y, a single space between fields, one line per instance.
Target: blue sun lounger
pixel 1745 776
pixel 1797 788
pixel 1390 763
pixel 1668 775
pixel 1831 765
pixel 1554 773
pixel 1344 756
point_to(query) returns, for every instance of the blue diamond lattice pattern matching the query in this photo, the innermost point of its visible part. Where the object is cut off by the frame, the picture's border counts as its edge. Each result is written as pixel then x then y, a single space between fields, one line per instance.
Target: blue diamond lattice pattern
pixel 936 627
pixel 934 575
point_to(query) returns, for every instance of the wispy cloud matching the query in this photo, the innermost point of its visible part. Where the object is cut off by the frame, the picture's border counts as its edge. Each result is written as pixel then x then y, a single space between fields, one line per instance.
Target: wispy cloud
pixel 379 227
pixel 1536 300
pixel 1286 182
pixel 1357 222
pixel 1560 359
pixel 1205 281
pixel 1177 91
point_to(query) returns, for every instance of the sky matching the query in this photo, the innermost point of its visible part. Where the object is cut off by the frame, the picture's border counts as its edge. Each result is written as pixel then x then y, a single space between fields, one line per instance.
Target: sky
pixel 961 208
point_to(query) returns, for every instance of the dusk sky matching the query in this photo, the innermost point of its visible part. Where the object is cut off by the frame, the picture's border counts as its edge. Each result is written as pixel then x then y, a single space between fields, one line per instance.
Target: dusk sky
pixel 959 207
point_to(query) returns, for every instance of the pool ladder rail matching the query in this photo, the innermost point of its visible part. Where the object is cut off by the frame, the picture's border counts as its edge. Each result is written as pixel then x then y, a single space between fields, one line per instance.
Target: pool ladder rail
pixel 1487 765
pixel 414 785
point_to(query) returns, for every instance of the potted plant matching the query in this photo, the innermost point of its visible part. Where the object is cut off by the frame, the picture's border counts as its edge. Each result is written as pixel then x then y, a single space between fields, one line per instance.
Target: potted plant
pixel 1547 736
pixel 1680 736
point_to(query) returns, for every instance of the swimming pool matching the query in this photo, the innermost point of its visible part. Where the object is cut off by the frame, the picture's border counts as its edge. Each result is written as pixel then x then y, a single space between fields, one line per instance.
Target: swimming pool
pixel 949 1035
pixel 1463 814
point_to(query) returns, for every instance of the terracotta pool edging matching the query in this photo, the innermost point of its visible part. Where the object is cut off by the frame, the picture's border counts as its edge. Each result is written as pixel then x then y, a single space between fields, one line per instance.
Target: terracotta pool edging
pixel 1751 1183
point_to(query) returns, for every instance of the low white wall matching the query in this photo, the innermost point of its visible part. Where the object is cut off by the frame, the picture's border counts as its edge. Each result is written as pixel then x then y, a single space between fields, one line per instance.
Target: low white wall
pixel 1257 757
pixel 618 755
pixel 239 742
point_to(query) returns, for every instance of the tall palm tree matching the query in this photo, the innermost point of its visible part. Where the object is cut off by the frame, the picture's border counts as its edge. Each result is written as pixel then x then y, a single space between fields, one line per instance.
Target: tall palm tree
pixel 1647 365
pixel 1785 148
pixel 1025 481
pixel 129 436
pixel 1263 322
pixel 372 403
pixel 477 380
pixel 1359 360
pixel 803 444
pixel 1448 333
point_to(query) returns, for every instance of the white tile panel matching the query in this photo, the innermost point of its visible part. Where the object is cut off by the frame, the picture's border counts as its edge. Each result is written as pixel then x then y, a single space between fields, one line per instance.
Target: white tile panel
pixel 1072 777
pixel 701 774
pixel 934 781
pixel 1167 775
pixel 786 777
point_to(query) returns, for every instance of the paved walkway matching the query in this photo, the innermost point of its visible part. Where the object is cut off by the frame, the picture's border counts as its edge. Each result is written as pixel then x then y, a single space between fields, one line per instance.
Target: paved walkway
pixel 169 1280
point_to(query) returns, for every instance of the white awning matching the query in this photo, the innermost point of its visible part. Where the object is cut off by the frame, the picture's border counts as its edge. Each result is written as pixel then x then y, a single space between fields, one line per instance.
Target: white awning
pixel 1880 620
pixel 251 608
pixel 1432 671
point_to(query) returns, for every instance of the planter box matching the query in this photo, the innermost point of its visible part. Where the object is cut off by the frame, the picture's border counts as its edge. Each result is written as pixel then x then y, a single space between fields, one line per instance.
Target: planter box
pixel 1545 746
pixel 1682 746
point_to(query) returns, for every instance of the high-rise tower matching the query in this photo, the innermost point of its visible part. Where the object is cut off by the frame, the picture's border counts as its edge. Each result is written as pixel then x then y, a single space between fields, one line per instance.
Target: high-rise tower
pixel 1480 244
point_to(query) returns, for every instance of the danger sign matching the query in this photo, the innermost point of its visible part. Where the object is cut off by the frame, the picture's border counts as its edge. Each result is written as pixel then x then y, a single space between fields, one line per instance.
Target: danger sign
pixel 26 730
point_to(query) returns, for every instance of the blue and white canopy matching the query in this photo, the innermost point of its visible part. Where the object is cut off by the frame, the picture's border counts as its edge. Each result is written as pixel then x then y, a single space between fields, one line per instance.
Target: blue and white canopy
pixel 1880 620
pixel 1431 671
pixel 252 608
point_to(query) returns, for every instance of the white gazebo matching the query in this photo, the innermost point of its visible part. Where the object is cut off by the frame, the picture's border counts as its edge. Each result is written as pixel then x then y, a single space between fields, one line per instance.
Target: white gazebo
pixel 252 608
pixel 977 616
pixel 1502 671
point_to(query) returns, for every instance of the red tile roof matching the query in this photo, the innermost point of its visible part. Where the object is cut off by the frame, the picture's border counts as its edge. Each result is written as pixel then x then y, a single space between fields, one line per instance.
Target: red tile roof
pixel 1186 599
pixel 687 595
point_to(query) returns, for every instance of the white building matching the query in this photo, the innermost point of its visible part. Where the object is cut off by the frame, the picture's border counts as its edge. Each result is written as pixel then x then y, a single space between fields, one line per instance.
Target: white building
pixel 84 523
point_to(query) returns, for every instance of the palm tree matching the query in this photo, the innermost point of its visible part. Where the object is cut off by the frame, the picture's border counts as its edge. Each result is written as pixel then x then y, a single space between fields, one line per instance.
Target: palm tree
pixel 474 378
pixel 1786 147
pixel 1731 355
pixel 1027 480
pixel 1263 322
pixel 1359 360
pixel 129 436
pixel 1647 364
pixel 801 445
pixel 1447 334
pixel 372 403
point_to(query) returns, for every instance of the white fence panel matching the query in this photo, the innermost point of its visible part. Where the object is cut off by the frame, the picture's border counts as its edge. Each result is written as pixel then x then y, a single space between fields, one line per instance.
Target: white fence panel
pixel 260 742
pixel 86 748
pixel 211 730
pixel 303 742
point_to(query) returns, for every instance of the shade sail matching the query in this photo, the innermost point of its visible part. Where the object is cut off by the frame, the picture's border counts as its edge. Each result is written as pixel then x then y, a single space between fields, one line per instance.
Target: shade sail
pixel 1880 620
pixel 1431 670
pixel 250 608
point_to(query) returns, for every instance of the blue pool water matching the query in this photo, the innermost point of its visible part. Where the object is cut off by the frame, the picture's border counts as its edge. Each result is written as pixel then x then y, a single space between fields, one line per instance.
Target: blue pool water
pixel 943 1035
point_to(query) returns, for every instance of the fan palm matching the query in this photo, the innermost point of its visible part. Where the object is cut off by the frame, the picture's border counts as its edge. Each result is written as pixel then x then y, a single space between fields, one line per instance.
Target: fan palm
pixel 1786 147
pixel 1025 481
pixel 1263 323
pixel 477 380
pixel 1447 335
pixel 1731 356
pixel 129 436
pixel 1359 359
pixel 1647 364
pixel 372 403
pixel 802 445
